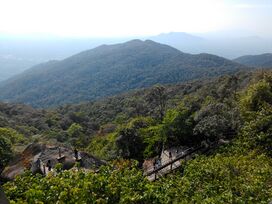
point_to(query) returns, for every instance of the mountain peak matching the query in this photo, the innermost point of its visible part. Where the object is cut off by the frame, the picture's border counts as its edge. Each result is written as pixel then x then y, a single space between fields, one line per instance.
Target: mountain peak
pixel 108 70
pixel 178 36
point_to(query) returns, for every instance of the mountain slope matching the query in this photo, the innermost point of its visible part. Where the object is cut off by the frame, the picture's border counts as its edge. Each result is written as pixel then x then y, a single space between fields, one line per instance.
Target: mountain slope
pixel 263 60
pixel 108 70
pixel 10 66
pixel 94 114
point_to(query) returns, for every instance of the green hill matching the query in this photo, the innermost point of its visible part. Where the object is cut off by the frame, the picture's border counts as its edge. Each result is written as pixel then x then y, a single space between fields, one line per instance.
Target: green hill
pixel 263 60
pixel 51 125
pixel 108 70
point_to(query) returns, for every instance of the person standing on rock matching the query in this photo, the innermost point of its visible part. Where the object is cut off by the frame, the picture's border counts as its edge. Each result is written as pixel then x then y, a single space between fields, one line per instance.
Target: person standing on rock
pixel 59 152
pixel 76 154
pixel 49 165
pixel 39 163
pixel 170 155
pixel 154 164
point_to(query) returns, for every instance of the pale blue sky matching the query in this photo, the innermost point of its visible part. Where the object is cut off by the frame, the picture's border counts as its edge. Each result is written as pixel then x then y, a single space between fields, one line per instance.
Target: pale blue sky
pixel 111 18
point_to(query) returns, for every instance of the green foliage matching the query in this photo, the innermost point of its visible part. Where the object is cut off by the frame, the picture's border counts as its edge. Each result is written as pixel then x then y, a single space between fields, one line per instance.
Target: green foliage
pixel 120 183
pixel 109 70
pixel 51 125
pixel 158 96
pixel 177 127
pixel 258 132
pixel 226 179
pixel 8 139
pixel 214 179
pixel 215 121
pixel 257 97
pixel 75 130
pixel 12 135
pixel 153 140
pixel 77 138
pixel 237 172
pixel 256 108
pixel 104 147
pixel 130 142
pixel 5 151
pixel 58 167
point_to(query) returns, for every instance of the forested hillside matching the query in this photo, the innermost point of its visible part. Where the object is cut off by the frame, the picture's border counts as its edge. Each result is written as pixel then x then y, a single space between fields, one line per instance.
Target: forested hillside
pixel 263 60
pixel 93 116
pixel 108 70
pixel 136 126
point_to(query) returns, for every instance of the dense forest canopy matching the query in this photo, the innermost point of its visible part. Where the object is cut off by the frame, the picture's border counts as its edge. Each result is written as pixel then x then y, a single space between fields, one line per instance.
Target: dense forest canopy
pixel 105 115
pixel 129 128
pixel 109 70
pixel 263 60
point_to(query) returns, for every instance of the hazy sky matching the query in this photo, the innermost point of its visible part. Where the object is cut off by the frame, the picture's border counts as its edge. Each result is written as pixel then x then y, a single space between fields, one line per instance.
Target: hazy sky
pixel 107 18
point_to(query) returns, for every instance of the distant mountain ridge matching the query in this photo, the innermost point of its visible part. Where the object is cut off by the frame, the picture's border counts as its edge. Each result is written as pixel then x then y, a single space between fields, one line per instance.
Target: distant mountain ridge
pixel 262 60
pixel 108 70
pixel 227 44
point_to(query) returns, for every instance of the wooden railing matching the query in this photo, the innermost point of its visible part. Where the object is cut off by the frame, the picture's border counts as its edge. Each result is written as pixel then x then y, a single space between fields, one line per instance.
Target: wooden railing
pixel 154 172
pixel 186 153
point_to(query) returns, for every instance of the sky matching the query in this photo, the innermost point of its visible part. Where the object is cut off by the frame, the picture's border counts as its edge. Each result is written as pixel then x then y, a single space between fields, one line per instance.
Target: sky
pixel 120 18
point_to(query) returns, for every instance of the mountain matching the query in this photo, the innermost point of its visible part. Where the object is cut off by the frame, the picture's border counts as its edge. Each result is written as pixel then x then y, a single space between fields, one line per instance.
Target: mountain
pixel 263 60
pixel 182 41
pixel 108 70
pixel 20 52
pixel 229 44
pixel 10 66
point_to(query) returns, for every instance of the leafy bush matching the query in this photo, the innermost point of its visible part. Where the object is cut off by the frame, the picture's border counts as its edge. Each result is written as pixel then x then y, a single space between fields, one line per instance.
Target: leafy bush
pixel 215 179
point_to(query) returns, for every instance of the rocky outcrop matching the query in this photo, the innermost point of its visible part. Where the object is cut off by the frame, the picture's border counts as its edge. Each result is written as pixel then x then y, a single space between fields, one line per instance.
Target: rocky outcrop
pixel 22 161
pixel 36 156
pixel 66 157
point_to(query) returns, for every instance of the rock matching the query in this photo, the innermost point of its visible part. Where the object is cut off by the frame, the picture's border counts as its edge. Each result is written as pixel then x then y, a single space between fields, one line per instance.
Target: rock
pixel 36 156
pixel 22 161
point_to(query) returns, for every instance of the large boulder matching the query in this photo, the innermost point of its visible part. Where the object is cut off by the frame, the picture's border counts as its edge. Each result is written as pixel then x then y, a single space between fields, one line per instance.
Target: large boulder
pixel 36 156
pixel 22 161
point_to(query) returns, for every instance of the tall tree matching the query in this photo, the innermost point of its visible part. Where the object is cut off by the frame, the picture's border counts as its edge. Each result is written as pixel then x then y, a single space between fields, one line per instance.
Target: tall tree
pixel 158 97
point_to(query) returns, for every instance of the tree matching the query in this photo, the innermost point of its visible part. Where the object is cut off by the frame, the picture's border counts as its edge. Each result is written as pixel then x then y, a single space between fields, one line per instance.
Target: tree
pixel 256 108
pixel 154 139
pixel 216 121
pixel 177 127
pixel 75 130
pixel 158 97
pixel 256 98
pixel 130 141
pixel 12 135
pixel 130 144
pixel 8 138
pixel 77 137
pixel 5 151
